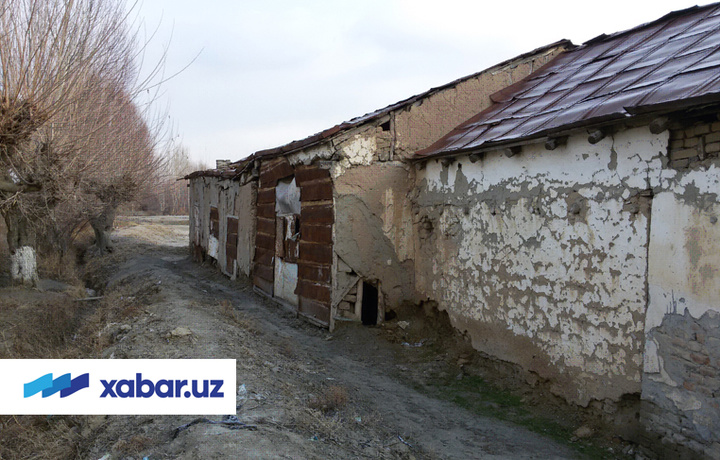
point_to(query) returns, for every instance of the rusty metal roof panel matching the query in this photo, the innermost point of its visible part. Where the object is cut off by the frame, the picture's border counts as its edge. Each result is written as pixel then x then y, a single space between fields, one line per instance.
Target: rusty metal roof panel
pixel 673 62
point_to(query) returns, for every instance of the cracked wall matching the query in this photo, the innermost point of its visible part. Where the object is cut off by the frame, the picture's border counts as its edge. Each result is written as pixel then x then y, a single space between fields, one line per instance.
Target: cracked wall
pixel 541 258
pixel 681 389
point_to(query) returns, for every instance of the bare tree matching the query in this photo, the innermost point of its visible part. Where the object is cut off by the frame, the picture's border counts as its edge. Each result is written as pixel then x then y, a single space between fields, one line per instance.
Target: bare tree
pixel 62 61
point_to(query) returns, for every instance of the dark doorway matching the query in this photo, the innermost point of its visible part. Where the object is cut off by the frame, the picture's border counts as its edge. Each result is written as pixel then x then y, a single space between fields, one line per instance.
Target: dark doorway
pixel 369 304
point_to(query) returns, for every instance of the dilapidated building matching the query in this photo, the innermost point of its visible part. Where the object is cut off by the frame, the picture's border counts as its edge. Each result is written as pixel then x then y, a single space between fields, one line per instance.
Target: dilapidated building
pixel 572 228
pixel 568 224
pixel 324 225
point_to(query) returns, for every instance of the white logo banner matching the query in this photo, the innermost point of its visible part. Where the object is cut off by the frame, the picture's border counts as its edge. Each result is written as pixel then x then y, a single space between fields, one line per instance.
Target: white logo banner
pixel 117 386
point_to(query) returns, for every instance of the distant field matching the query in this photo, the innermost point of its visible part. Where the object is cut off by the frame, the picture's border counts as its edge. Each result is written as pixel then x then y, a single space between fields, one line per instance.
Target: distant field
pixel 164 220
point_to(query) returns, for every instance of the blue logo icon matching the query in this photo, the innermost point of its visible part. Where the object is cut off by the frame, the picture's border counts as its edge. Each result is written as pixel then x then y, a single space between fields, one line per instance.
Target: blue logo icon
pixel 63 384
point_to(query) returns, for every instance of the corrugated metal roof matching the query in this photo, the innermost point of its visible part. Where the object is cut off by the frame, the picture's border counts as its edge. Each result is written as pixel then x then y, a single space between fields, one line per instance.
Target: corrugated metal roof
pixel 671 63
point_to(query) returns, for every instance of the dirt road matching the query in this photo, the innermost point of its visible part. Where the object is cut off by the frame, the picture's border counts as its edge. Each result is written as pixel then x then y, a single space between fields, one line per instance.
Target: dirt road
pixel 305 393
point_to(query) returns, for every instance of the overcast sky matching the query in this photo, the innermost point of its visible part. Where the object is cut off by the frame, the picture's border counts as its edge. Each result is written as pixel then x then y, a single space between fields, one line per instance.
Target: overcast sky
pixel 268 72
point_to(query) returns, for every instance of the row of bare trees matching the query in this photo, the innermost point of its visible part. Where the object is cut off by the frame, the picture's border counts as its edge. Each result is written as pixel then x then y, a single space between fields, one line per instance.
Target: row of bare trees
pixel 74 141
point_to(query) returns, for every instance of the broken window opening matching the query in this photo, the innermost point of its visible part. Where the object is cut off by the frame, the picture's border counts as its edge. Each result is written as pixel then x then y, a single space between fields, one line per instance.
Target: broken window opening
pixel 369 311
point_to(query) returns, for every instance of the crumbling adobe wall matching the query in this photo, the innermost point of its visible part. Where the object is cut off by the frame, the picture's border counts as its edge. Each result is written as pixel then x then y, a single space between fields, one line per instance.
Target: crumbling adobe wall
pixel 681 383
pixel 245 210
pixel 230 198
pixel 203 196
pixel 541 258
pixel 373 221
pixel 421 124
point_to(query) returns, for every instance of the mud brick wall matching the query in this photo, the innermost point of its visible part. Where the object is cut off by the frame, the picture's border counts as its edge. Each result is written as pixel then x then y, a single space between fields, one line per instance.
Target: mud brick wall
pixel 683 406
pixel 694 141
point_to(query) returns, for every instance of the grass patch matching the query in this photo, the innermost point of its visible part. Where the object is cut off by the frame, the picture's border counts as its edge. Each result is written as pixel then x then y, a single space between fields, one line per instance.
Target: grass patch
pixel 483 398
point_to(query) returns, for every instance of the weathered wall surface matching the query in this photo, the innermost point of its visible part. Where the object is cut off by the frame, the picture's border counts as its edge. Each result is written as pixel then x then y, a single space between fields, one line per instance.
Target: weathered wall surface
pixel 681 384
pixel 231 199
pixel 373 220
pixel 421 124
pixel 244 209
pixel 373 227
pixel 542 257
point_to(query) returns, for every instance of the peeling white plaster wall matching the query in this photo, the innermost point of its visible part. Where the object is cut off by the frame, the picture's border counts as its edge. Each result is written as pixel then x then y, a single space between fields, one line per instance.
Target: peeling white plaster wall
pixel 542 257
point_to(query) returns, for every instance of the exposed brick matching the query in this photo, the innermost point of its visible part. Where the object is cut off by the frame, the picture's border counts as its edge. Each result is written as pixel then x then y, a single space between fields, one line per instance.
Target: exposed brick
pixel 701 129
pixel 677 134
pixel 318 253
pixel 712 148
pixel 305 174
pixel 677 144
pixel 682 154
pixel 715 126
pixel 688 386
pixel 316 191
pixel 266 195
pixel 319 214
pixel 315 273
pixel 316 233
pixel 691 142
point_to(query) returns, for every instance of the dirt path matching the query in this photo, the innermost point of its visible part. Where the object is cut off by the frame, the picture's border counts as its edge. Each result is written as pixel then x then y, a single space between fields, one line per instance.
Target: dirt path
pixel 307 393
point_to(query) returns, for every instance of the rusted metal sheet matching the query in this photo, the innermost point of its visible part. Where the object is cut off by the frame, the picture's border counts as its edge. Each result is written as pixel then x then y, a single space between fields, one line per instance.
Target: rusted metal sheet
pixel 317 214
pixel 265 225
pixel 317 312
pixel 304 174
pixel 264 256
pixel 315 273
pixel 317 191
pixel 313 252
pixel 314 291
pixel 264 241
pixel 317 233
pixel 266 196
pixel 274 170
pixel 670 64
pixel 266 210
pixel 231 245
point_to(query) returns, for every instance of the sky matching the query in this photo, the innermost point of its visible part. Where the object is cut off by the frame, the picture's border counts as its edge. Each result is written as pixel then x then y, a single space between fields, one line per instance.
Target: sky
pixel 252 75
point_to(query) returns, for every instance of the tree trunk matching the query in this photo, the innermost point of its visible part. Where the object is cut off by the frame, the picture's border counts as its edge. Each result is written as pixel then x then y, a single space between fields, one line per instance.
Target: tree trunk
pixel 21 242
pixel 102 225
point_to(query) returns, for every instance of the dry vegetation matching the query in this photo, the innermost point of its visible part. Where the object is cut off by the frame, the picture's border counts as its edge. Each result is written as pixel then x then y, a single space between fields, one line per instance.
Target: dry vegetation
pixel 60 325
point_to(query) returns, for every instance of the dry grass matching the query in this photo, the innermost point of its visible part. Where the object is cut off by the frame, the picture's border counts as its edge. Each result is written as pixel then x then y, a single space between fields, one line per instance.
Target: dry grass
pixel 239 318
pixel 52 325
pixel 332 399
pixel 39 437
pixel 45 330
pixel 132 446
